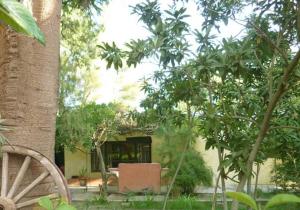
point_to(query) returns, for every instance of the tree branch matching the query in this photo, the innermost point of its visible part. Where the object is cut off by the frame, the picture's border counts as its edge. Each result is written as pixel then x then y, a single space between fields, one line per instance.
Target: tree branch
pixel 270 42
pixel 298 20
pixel 282 87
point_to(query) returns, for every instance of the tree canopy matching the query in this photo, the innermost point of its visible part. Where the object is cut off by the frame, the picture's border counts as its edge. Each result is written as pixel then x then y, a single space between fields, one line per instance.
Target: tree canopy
pixel 238 90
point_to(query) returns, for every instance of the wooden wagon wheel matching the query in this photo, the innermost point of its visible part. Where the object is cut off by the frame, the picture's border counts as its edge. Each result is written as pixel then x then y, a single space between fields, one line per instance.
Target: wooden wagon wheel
pixel 12 196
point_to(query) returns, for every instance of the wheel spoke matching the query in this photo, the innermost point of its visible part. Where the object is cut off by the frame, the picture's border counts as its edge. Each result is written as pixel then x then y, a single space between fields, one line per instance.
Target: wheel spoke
pixel 19 193
pixel 31 186
pixel 4 174
pixel 19 177
pixel 35 200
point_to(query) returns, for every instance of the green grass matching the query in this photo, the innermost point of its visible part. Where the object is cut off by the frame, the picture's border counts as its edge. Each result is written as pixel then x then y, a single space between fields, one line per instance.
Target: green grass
pixel 180 203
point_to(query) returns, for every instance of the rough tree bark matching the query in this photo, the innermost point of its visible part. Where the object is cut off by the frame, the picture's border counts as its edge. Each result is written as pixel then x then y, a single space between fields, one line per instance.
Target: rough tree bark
pixel 29 82
pixel 103 172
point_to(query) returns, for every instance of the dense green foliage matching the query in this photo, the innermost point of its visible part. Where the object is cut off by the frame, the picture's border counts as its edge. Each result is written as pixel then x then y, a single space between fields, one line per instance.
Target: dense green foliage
pixel 77 119
pixel 79 33
pixel 235 88
pixel 81 125
pixel 89 6
pixel 286 174
pixel 236 91
pixel 194 171
pixel 285 145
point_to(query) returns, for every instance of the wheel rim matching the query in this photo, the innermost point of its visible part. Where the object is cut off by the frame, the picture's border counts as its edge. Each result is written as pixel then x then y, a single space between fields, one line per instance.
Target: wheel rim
pixel 13 197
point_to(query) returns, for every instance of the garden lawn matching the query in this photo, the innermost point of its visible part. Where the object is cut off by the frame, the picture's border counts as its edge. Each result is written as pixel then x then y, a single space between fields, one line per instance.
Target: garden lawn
pixel 178 204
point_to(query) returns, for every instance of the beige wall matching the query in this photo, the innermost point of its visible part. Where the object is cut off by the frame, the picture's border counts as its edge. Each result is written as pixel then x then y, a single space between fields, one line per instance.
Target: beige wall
pixel 211 158
pixel 79 159
pixel 75 161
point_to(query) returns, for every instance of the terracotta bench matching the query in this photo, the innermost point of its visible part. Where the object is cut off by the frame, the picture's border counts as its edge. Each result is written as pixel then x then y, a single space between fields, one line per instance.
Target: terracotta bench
pixel 138 177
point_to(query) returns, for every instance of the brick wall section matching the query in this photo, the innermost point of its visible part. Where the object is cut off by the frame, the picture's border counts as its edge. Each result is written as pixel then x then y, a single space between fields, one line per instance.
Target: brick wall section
pixel 139 177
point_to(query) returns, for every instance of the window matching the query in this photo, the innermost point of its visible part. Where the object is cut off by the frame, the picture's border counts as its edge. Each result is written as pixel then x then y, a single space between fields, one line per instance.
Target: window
pixel 133 150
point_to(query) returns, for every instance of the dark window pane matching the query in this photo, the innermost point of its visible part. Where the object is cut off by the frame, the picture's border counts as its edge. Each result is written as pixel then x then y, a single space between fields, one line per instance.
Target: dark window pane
pixel 133 150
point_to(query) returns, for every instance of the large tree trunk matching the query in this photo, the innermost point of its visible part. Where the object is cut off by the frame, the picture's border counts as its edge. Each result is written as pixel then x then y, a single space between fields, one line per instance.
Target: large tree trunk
pixel 29 87
pixel 29 81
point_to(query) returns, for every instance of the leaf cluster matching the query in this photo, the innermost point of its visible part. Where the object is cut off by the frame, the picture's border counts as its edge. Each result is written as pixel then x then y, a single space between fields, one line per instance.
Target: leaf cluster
pixel 89 6
pixel 16 15
pixel 167 42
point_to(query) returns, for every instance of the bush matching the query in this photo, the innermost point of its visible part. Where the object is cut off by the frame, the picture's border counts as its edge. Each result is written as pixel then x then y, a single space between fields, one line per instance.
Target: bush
pixel 287 174
pixel 193 171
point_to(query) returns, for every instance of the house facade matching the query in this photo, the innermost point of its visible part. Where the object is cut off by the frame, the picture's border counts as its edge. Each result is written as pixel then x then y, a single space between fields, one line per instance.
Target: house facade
pixel 137 148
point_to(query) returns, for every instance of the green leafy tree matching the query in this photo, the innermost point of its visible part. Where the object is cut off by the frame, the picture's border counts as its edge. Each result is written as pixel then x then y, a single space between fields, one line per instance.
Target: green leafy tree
pixel 234 87
pixel 79 33
pixel 88 125
pixel 78 125
pixel 77 120
pixel 285 126
pixel 280 64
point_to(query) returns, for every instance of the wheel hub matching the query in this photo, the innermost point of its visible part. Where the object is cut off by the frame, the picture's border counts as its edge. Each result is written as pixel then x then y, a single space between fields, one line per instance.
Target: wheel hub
pixel 7 204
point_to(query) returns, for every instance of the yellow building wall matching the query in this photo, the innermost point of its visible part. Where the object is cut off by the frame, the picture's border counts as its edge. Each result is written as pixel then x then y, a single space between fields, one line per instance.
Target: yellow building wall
pixel 77 160
pixel 74 162
pixel 211 158
pixel 80 158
